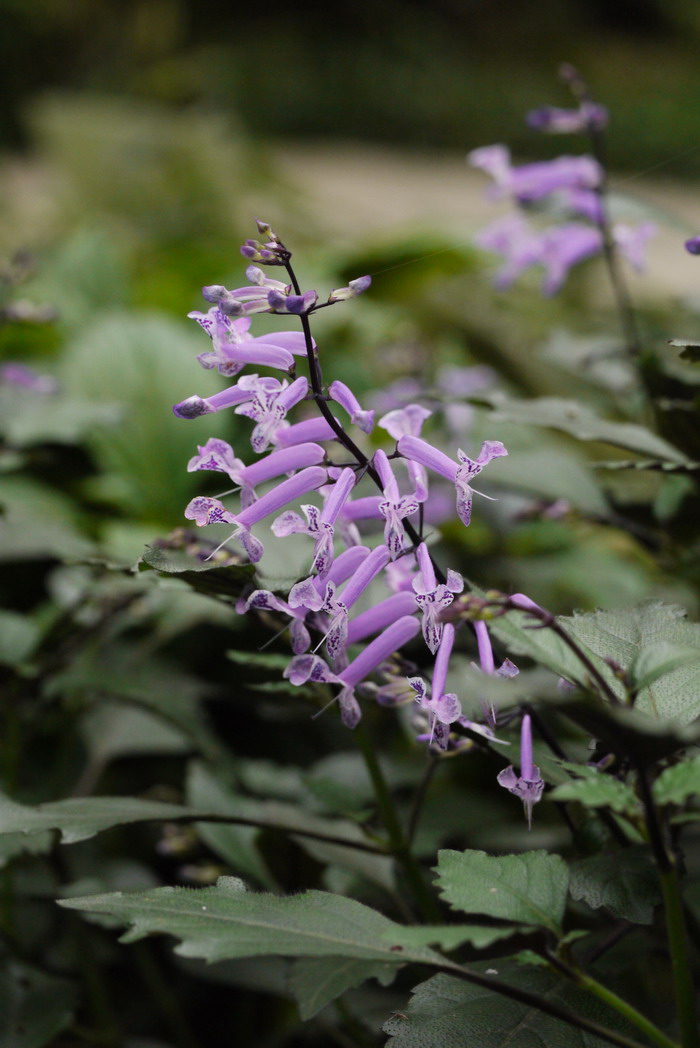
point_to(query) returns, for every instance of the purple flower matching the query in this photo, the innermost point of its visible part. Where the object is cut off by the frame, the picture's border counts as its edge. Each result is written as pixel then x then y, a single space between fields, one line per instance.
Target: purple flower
pixel 531 182
pixel 692 245
pixel 394 508
pixel 283 302
pixel 210 510
pixel 528 786
pixel 376 619
pixel 460 474
pixel 305 668
pixel 24 377
pixel 431 598
pixel 319 523
pixel 557 248
pixel 233 347
pixel 344 396
pixel 443 708
pixel 241 391
pixel 355 287
pixel 268 406
pixel 588 117
pixel 286 435
pixel 337 607
pixel 307 597
pixel 486 665
pixel 404 422
pixel 245 300
pixel 218 455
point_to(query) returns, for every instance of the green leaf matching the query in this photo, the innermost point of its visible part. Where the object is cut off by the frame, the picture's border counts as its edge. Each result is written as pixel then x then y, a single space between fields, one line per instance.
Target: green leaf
pixel 450 936
pixel 316 981
pixel 675 784
pixel 18 635
pixel 120 672
pixel 578 420
pixel 445 1012
pixel 208 577
pixel 81 817
pixel 526 889
pixel 628 731
pixel 654 661
pixel 145 362
pixel 234 844
pixel 625 882
pixel 626 635
pixel 34 1008
pixel 224 922
pixel 39 523
pixel 600 791
pixel 552 473
pixel 29 419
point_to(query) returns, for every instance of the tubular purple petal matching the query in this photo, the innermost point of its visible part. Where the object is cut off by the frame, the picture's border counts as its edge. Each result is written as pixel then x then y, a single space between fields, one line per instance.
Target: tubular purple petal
pixel 368 570
pixel 305 481
pixel 485 650
pixel 344 566
pixel 389 641
pixel 442 660
pixel 526 765
pixel 386 475
pixel 365 508
pixel 338 496
pixel 300 432
pixel 426 568
pixel 379 617
pixel 426 455
pixel 284 461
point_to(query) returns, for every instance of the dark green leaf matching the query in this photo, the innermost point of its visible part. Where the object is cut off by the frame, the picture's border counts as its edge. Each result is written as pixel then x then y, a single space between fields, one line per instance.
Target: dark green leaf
pixel 526 889
pixel 601 791
pixel 34 1007
pixel 315 981
pixel 677 783
pixel 208 577
pixel 578 420
pixel 625 882
pixel 225 922
pixel 445 1012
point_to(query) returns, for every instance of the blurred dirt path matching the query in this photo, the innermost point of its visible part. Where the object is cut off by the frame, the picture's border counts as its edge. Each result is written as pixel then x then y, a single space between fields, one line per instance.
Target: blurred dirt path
pixel 358 190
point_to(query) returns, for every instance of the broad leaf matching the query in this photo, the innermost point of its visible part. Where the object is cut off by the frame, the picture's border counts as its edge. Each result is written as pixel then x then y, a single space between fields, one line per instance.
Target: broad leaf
pixel 208 577
pixel 225 922
pixel 445 1012
pixel 315 981
pixel 81 817
pixel 36 418
pixel 526 889
pixel 34 1007
pixel 626 635
pixel 625 882
pixel 578 420
pixel 450 936
pixel 654 661
pixel 679 782
pixel 599 791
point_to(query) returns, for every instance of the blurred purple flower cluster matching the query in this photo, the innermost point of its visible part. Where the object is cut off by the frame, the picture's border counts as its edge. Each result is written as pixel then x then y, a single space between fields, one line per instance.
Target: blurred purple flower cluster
pixel 575 185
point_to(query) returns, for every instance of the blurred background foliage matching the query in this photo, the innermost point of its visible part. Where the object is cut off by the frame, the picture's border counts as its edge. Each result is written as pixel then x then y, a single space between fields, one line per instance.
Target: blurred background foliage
pixel 139 138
